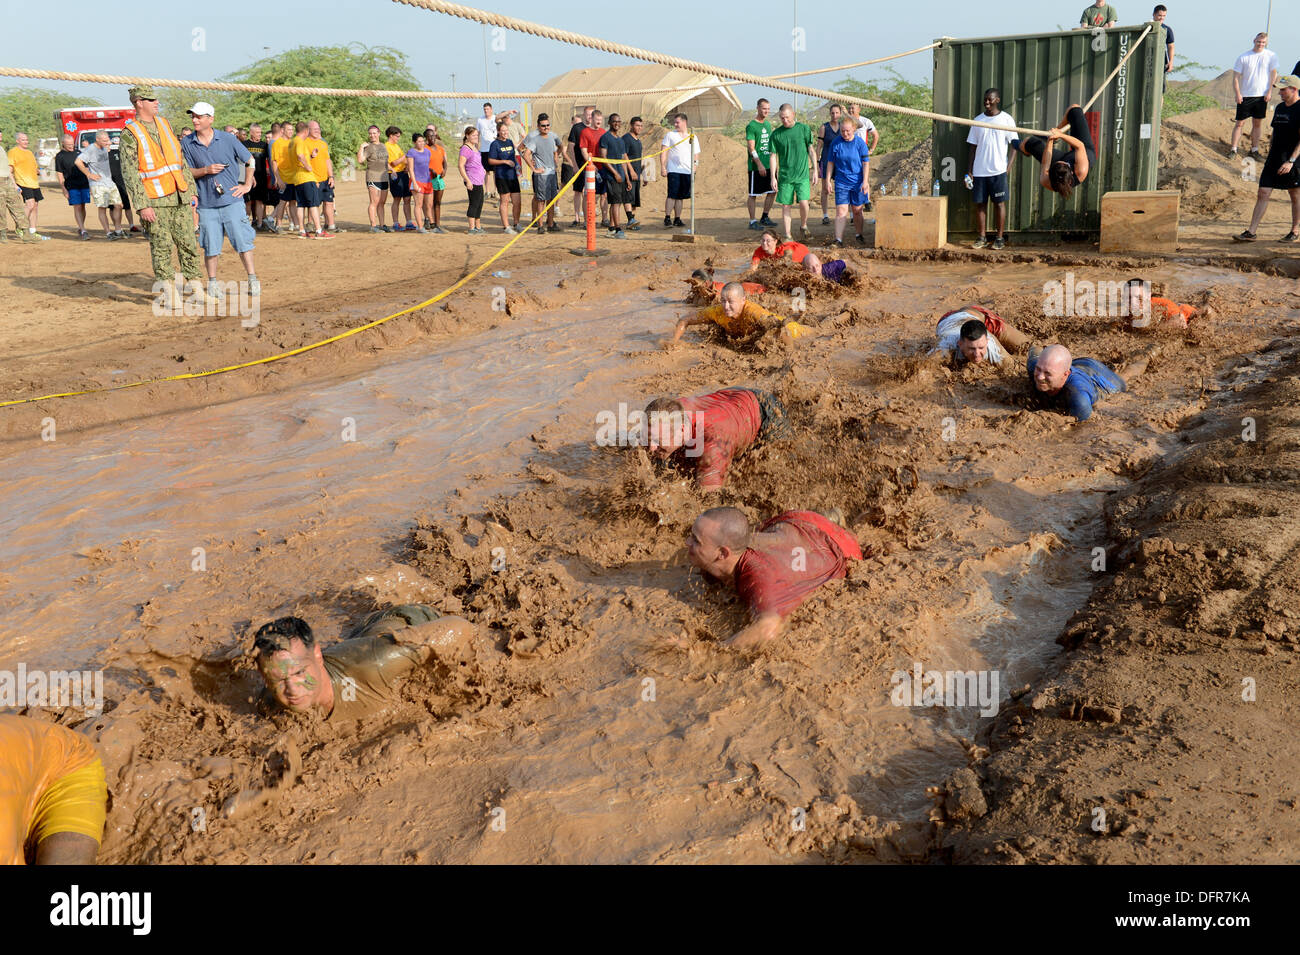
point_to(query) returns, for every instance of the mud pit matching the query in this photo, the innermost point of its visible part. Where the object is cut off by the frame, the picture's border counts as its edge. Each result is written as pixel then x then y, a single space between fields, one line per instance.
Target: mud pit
pixel 978 516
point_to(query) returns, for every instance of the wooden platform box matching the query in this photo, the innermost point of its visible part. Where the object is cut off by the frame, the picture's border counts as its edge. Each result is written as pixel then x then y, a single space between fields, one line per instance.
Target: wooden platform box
pixel 1139 221
pixel 912 223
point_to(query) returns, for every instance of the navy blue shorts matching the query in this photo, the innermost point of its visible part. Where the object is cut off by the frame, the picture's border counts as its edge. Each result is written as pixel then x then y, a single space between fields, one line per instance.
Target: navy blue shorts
pixel 326 191
pixel 679 185
pixel 400 185
pixel 307 195
pixel 985 188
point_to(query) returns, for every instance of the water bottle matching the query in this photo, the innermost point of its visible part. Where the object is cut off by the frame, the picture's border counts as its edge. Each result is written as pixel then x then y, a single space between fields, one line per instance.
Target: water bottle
pixel 934 191
pixel 970 183
pixel 915 186
pixel 882 190
pixel 501 275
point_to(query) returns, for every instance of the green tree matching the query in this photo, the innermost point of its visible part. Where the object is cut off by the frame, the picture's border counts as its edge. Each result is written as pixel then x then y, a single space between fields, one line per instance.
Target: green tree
pixel 31 111
pixel 897 130
pixel 343 119
pixel 1184 93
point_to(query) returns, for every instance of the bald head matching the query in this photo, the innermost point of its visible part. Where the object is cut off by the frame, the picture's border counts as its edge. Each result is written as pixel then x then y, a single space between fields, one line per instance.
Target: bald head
pixel 812 263
pixel 1052 368
pixel 733 299
pixel 717 540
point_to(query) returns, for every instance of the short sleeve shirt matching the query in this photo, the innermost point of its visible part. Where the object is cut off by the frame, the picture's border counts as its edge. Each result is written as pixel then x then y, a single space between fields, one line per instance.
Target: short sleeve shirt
pixel 23 162
pixel 224 148
pixel 761 134
pixel 680 151
pixel 634 147
pixel 369 667
pixel 1095 16
pixel 99 160
pixel 1088 383
pixel 808 550
pixel 1286 134
pixel 487 130
pixel 543 146
pixel 790 146
pixel 948 332
pixel 991 144
pixel 724 424
pixel 614 149
pixel 503 150
pixel 848 157
pixel 590 141
pixel 318 151
pixel 375 156
pixel 834 270
pixel 798 252
pixel 1255 69
pixel 66 163
pixel 751 318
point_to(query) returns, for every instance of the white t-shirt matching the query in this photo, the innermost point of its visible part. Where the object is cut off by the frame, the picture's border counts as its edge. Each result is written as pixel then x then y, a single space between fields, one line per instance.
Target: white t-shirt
pixel 487 131
pixel 1255 69
pixel 949 330
pixel 991 144
pixel 679 153
pixel 865 126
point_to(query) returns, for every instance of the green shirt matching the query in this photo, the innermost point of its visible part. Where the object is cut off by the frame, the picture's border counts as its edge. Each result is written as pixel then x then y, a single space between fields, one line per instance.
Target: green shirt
pixel 761 134
pixel 129 153
pixel 1095 16
pixel 790 145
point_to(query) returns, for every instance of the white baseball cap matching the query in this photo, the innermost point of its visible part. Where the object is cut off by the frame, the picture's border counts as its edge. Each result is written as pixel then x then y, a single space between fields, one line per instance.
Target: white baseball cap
pixel 201 109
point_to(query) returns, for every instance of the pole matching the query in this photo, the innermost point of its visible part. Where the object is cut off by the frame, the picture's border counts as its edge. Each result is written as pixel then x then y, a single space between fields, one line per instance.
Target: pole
pixel 487 85
pixel 690 151
pixel 1269 24
pixel 452 105
pixel 589 187
pixel 794 47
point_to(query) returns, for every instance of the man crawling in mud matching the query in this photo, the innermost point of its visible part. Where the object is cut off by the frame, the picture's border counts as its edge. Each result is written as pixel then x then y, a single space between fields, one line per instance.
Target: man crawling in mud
pixel 362 673
pixel 1073 386
pixel 775 567
pixel 741 321
pixel 704 434
pixel 974 334
pixel 704 290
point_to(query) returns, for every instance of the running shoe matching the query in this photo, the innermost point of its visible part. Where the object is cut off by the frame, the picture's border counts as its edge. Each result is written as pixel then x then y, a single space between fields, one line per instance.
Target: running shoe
pixel 114 236
pixel 826 220
pixel 618 234
pixel 37 237
pixel 385 228
pixel 1246 236
pixel 999 243
pixel 668 222
pixel 1255 154
pixel 375 228
pixel 980 243
pixel 862 239
pixel 754 226
pixel 634 223
pixel 83 235
pixel 511 230
pixel 806 233
pixel 439 230
pixel 324 235
pixel 271 227
pixel 867 207
pixel 678 224
pixel 254 287
pixel 632 226
pixel 421 231
pixel 1291 237
pixel 555 227
pixel 766 220
pixel 1232 153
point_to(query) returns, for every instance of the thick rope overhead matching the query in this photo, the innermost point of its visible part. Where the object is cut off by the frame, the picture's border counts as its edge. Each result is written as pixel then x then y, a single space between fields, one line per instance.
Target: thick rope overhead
pixel 20 73
pixel 649 56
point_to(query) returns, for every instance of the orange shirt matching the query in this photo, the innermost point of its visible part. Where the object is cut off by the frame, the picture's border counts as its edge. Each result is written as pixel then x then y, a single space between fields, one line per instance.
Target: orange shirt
pixel 1163 309
pixel 437 160
pixel 797 252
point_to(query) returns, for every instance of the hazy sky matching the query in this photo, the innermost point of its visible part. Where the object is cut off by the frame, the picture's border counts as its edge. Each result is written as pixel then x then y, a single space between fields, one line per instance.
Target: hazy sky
pixel 748 36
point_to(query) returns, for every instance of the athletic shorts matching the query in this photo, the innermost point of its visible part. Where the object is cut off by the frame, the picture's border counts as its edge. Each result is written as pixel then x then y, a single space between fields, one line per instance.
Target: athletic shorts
pixel 307 195
pixel 760 183
pixel 545 186
pixel 121 191
pixel 32 193
pixel 985 188
pixel 257 193
pixel 787 193
pixel 1252 107
pixel 616 192
pixel 437 183
pixel 225 222
pixel 775 425
pixel 679 185
pixel 326 191
pixel 79 197
pixel 400 185
pixel 849 194
pixel 105 195
pixel 422 188
pixel 381 186
pixel 567 172
pixel 1270 178
pixel 506 187
pixel 634 194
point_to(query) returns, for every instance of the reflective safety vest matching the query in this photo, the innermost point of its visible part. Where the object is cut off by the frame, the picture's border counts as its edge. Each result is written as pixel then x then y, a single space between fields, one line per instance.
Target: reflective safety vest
pixel 161 174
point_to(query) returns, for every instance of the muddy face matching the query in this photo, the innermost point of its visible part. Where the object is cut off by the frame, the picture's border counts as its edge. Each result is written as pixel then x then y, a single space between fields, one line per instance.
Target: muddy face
pixel 667 432
pixel 974 351
pixel 733 305
pixel 704 553
pixel 296 677
pixel 768 243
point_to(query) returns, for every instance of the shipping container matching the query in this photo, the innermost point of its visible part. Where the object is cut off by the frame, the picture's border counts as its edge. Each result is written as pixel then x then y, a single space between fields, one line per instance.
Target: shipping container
pixel 1040 75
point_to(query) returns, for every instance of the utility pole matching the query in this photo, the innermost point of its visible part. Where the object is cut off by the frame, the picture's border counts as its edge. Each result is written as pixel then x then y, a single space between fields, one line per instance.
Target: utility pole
pixel 487 84
pixel 454 112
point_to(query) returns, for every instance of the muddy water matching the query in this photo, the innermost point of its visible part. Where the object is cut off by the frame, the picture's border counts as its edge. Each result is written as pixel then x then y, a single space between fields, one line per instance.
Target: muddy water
pixel 94 526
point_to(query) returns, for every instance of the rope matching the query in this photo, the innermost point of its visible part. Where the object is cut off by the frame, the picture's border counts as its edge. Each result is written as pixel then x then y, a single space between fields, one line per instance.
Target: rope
pixel 217 85
pixel 636 53
pixel 540 217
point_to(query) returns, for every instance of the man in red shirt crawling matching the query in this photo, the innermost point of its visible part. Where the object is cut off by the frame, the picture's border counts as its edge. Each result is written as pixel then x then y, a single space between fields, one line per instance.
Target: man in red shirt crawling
pixel 774 568
pixel 705 433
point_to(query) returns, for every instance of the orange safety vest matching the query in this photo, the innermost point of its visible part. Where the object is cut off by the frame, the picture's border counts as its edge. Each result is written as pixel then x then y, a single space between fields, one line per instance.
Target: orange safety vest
pixel 161 175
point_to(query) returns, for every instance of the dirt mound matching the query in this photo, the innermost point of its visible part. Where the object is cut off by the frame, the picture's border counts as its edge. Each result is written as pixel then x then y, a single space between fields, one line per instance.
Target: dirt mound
pixel 892 169
pixel 1192 161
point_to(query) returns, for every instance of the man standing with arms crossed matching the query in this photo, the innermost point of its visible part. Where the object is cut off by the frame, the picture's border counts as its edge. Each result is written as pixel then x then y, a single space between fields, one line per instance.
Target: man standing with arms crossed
pixel 95 163
pixel 758 140
pixel 793 162
pixel 1253 76
pixel 162 188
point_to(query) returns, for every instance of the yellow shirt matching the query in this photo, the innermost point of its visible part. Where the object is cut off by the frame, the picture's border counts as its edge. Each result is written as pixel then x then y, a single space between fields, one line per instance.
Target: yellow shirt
pixel 279 155
pixel 25 172
pixel 751 318
pixel 297 150
pixel 319 152
pixel 396 156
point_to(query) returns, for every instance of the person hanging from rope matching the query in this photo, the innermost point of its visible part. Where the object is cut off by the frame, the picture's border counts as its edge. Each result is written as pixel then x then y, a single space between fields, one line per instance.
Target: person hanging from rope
pixel 1062 171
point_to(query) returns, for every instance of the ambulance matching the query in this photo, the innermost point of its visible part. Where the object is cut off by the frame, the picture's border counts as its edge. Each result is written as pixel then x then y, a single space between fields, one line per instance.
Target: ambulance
pixel 83 122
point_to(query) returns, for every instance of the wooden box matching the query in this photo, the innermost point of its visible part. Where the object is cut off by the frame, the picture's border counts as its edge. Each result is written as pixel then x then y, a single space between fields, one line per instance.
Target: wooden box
pixel 1139 221
pixel 913 223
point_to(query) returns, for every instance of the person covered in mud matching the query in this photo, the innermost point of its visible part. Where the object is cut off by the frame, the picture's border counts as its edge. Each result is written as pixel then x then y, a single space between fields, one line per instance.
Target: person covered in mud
pixel 53 794
pixel 836 270
pixel 363 672
pixel 705 290
pixel 742 321
pixel 975 334
pixel 1152 311
pixel 774 567
pixel 706 433
pixel 1074 386
pixel 771 246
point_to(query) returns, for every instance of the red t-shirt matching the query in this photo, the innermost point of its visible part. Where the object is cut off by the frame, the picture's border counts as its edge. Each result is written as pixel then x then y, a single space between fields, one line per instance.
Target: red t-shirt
pixel 797 252
pixel 725 423
pixel 590 141
pixel 992 321
pixel 812 551
pixel 751 288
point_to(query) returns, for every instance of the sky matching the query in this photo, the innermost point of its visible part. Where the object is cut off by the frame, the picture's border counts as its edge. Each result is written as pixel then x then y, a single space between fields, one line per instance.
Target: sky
pixel 749 36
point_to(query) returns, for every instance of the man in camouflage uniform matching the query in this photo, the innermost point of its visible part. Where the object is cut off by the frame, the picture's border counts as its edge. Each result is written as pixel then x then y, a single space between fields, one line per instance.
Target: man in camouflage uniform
pixel 168 220
pixel 11 202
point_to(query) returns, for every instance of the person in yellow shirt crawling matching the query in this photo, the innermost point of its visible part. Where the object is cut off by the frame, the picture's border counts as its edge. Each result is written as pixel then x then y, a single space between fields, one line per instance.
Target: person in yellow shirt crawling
pixel 743 322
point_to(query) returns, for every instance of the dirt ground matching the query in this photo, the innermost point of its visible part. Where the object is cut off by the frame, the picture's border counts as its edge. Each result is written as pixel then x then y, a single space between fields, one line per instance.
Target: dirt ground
pixel 596 719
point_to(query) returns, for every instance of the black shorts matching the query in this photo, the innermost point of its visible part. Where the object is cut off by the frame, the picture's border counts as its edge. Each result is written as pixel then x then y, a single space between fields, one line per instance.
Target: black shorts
pixel 506 187
pixel 381 186
pixel 634 194
pixel 567 172
pixel 326 191
pixel 760 183
pixel 679 185
pixel 256 194
pixel 615 191
pixel 1252 107
pixel 31 193
pixel 1269 178
pixel 400 185
pixel 121 191
pixel 307 194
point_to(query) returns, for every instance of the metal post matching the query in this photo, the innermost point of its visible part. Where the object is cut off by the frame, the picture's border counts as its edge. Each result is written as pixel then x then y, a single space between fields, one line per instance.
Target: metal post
pixel 690 151
pixel 1269 23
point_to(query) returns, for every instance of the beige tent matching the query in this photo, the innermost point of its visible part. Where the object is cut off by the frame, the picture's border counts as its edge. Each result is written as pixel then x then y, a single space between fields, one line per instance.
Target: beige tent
pixel 712 105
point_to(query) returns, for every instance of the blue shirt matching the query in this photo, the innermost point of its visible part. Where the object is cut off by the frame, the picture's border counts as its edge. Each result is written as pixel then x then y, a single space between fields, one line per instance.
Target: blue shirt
pixel 848 157
pixel 224 148
pixel 503 150
pixel 614 148
pixel 1089 380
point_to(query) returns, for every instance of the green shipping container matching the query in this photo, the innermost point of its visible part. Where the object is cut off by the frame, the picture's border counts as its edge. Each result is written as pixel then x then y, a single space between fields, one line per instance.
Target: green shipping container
pixel 1040 75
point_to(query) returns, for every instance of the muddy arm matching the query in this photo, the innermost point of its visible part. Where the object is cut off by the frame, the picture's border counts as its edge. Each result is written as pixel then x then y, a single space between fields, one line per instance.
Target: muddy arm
pixel 761 631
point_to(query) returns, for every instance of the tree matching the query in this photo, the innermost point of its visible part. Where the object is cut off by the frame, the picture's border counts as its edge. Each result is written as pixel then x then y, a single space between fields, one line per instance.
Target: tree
pixel 31 111
pixel 343 119
pixel 897 130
